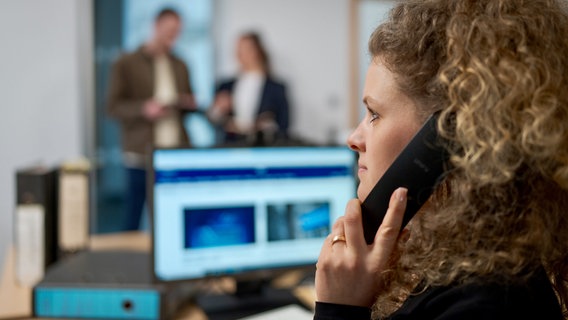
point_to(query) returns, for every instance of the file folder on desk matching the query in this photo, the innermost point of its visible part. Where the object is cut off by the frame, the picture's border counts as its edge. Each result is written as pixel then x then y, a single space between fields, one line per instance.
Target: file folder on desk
pixel 100 284
pixel 73 198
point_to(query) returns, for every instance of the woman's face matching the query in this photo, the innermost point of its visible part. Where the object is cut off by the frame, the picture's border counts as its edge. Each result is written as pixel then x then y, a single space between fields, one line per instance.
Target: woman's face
pixel 247 54
pixel 389 124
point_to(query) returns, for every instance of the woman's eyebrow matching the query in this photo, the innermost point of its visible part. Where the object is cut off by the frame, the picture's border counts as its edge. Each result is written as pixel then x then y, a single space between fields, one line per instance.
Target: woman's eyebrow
pixel 364 100
pixel 368 101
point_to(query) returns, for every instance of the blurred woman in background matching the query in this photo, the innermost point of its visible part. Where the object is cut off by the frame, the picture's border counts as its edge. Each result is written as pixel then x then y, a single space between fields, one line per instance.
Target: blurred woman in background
pixel 253 105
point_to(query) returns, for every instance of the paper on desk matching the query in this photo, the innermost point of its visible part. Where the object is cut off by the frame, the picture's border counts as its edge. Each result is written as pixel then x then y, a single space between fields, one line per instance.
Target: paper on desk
pixel 292 311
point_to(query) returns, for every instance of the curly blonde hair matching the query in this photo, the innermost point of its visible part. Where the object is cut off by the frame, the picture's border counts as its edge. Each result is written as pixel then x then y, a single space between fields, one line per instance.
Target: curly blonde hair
pixel 498 71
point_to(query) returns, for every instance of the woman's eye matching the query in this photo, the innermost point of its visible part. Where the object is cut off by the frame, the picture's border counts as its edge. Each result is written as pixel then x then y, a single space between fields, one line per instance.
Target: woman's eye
pixel 373 116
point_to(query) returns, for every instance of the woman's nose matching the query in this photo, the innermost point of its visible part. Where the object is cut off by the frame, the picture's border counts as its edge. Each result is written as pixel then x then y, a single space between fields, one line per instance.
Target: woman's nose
pixel 355 141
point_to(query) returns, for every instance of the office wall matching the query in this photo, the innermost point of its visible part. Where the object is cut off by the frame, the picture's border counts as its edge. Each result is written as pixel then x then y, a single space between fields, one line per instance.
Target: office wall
pixel 44 87
pixel 309 46
pixel 46 80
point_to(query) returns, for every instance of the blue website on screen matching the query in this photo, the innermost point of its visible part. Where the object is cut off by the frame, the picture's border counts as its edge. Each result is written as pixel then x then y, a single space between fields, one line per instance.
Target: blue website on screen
pixel 226 211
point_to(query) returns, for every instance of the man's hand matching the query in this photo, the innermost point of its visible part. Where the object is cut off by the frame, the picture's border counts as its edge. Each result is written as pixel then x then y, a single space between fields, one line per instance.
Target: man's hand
pixel 153 110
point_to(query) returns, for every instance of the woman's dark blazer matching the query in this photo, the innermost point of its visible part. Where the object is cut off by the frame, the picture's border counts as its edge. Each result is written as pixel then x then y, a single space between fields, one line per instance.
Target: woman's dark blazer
pixel 273 100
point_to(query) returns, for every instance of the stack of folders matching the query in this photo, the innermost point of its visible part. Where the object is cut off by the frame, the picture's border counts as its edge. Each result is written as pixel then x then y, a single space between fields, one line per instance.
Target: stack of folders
pixel 51 216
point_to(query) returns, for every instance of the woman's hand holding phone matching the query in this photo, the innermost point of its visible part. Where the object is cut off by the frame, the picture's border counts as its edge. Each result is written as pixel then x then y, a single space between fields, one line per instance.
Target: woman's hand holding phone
pixel 347 265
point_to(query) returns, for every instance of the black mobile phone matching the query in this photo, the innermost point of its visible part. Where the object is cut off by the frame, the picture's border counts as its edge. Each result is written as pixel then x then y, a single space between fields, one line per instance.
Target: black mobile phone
pixel 420 167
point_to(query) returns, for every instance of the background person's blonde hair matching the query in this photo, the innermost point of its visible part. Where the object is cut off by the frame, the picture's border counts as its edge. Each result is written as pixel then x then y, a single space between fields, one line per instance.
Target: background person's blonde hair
pixel 499 71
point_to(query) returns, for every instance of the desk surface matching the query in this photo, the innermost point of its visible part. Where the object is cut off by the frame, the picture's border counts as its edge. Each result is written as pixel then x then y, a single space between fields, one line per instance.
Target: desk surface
pixel 16 302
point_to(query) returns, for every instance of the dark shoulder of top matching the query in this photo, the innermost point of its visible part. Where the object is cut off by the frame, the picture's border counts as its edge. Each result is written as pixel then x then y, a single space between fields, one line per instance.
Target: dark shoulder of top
pixel 332 311
pixel 134 58
pixel 140 56
pixel 534 299
pixel 225 85
pixel 272 81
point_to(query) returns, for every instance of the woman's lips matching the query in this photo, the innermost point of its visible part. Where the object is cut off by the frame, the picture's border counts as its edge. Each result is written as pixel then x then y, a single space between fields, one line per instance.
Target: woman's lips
pixel 362 168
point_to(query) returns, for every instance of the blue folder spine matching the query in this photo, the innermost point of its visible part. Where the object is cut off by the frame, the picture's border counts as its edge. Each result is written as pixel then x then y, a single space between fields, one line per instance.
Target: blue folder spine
pixel 97 303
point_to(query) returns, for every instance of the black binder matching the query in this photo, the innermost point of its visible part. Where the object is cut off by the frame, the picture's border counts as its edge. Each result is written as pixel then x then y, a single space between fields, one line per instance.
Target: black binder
pixel 35 222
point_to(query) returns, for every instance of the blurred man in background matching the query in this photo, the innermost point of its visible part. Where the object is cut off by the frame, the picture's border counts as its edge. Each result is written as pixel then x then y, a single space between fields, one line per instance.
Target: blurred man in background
pixel 150 92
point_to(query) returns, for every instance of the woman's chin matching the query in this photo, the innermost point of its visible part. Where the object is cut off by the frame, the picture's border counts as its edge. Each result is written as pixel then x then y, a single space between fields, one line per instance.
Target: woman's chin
pixel 362 193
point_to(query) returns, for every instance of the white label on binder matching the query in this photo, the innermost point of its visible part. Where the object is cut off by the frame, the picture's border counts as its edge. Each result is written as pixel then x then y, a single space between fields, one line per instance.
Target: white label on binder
pixel 73 211
pixel 30 246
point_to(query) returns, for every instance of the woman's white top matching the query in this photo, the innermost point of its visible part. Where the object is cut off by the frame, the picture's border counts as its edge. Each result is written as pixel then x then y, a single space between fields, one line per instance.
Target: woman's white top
pixel 246 98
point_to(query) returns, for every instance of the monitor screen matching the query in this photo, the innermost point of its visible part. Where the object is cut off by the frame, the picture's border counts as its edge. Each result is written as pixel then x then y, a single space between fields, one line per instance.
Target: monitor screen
pixel 231 211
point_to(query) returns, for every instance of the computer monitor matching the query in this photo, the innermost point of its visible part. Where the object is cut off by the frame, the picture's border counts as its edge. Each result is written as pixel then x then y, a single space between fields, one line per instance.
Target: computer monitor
pixel 237 211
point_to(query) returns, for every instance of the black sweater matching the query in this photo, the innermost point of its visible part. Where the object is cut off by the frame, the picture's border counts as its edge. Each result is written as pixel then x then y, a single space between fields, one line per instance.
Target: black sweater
pixel 534 300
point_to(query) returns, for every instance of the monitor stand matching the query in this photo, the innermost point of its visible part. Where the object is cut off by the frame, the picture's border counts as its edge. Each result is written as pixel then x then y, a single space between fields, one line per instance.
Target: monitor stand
pixel 250 297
